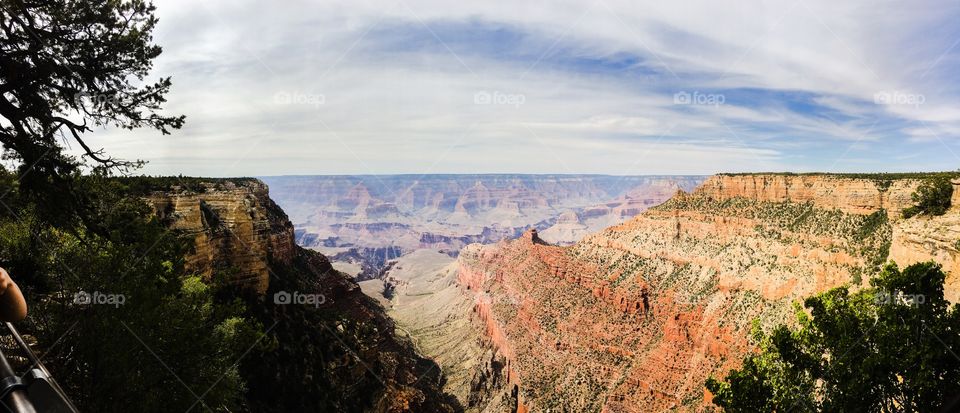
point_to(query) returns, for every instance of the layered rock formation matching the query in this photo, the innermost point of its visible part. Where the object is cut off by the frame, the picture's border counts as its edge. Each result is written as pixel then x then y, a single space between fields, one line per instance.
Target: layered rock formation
pixel 568 226
pixel 362 220
pixel 237 229
pixel 338 352
pixel 636 317
pixel 856 195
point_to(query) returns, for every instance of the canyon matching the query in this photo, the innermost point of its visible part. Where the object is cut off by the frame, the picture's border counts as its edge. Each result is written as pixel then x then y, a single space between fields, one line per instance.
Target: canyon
pixel 630 318
pixel 362 222
pixel 635 317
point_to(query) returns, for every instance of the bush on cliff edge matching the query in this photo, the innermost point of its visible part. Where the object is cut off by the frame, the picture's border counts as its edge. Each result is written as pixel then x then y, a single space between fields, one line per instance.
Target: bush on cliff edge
pixel 889 348
pixel 932 197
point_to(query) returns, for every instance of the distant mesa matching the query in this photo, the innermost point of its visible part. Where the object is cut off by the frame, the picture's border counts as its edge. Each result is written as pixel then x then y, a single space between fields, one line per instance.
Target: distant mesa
pixel 568 217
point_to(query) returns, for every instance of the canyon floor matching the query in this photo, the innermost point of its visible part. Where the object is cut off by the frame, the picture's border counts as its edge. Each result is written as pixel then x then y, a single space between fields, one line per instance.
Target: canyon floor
pixel 431 310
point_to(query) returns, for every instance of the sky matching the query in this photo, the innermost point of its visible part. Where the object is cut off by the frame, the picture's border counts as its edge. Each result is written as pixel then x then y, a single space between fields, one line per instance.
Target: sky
pixel 587 86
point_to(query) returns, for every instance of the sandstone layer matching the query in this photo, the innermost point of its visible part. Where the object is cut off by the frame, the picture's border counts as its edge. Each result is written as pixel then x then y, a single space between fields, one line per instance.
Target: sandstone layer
pixel 922 239
pixel 238 230
pixel 856 195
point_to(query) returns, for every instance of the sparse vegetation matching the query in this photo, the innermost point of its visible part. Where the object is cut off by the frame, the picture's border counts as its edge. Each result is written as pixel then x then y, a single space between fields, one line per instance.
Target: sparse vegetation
pixel 148 184
pixel 389 289
pixel 932 197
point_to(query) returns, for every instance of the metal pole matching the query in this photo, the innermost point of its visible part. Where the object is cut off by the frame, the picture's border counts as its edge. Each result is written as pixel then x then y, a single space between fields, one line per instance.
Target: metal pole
pixel 16 401
pixel 36 362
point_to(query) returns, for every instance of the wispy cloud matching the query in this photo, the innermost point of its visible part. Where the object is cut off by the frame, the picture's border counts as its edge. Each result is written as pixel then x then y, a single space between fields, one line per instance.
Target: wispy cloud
pixel 601 86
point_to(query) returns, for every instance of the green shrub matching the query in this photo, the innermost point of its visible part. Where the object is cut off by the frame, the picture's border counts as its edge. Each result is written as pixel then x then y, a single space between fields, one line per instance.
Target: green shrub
pixel 887 348
pixel 931 198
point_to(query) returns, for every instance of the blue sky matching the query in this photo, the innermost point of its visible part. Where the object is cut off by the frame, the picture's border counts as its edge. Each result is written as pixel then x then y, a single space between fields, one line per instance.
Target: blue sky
pixel 593 86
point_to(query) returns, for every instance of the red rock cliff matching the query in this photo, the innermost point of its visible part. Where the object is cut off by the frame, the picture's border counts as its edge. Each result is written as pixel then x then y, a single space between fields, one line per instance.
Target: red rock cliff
pixel 635 318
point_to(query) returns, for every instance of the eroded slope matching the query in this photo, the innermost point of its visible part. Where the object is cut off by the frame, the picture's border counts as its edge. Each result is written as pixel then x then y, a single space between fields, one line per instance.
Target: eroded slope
pixel 430 307
pixel 635 318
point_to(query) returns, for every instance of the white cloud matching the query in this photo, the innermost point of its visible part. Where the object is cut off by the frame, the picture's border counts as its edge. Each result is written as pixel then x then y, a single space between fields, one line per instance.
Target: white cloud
pixel 378 93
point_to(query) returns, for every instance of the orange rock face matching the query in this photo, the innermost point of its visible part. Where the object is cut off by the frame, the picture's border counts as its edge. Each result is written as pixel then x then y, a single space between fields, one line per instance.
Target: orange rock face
pixel 857 196
pixel 570 326
pixel 238 230
pixel 637 317
pixel 923 238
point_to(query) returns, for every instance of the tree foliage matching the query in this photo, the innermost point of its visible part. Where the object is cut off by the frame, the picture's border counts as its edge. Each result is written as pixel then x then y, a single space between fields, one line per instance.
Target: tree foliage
pixel 66 67
pixel 932 197
pixel 169 339
pixel 888 348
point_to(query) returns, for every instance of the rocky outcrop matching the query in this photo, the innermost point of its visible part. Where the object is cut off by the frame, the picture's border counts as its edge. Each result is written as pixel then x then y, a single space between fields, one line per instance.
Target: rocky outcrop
pixel 238 230
pixel 566 229
pixel 636 317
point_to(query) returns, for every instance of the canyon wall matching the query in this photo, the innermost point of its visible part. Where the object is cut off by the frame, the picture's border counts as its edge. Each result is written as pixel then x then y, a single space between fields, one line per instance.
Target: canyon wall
pixel 427 304
pixel 339 352
pixel 934 238
pixel 457 199
pixel 636 317
pixel 237 229
pixel 851 194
